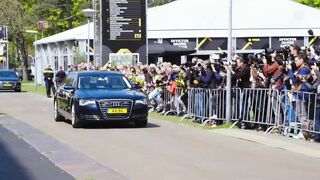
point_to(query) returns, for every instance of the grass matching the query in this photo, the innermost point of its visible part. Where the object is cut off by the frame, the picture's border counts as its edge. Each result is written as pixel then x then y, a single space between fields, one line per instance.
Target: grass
pixel 29 87
pixel 189 122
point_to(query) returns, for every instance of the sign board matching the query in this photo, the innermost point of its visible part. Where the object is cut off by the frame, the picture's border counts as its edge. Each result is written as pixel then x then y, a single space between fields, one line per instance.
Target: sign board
pixel 189 43
pixel 123 25
pixel 123 59
pixel 252 43
pixel 43 25
pixel 210 43
pixel 281 42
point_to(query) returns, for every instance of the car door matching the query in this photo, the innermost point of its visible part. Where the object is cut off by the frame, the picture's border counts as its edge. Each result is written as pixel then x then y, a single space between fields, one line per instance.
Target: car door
pixel 66 92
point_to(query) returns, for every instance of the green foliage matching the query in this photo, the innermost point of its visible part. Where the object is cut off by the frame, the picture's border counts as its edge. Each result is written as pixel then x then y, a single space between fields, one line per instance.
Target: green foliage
pixel 312 3
pixel 60 14
pixel 152 3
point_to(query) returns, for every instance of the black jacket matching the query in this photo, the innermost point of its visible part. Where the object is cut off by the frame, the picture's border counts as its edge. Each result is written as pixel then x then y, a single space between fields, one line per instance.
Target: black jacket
pixel 242 76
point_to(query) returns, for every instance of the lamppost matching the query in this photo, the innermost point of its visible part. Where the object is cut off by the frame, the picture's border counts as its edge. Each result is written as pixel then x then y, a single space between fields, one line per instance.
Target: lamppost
pixel 35 58
pixel 89 13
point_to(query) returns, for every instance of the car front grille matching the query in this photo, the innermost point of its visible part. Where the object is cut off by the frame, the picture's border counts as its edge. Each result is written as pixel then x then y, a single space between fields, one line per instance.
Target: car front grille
pixel 120 104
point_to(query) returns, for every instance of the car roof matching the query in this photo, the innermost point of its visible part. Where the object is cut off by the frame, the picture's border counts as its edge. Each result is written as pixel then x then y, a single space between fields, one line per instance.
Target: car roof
pixel 84 73
pixel 7 71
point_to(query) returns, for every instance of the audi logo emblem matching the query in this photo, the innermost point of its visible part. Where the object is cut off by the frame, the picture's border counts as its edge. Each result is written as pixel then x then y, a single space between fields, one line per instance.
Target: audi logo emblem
pixel 116 104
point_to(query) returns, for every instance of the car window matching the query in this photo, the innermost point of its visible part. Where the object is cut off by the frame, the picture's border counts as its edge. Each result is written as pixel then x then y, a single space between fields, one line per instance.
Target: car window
pixel 69 80
pixel 8 74
pixel 103 82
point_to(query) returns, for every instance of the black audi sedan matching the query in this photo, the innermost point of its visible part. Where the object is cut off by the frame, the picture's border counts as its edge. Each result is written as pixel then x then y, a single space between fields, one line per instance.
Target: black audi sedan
pixel 100 96
pixel 9 80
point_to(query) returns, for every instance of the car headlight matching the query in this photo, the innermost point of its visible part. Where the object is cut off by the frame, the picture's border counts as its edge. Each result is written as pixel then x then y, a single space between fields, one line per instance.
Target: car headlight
pixel 142 101
pixel 85 102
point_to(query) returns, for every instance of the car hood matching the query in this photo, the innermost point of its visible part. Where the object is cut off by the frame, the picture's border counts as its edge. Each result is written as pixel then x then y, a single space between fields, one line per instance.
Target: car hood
pixel 109 94
pixel 8 79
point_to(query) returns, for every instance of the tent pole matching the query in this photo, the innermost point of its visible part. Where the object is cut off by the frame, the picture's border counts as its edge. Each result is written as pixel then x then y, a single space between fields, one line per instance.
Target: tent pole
pixel 228 103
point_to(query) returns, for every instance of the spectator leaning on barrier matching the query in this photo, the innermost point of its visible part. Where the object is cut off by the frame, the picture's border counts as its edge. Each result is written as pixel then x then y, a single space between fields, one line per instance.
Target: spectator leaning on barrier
pixel 48 79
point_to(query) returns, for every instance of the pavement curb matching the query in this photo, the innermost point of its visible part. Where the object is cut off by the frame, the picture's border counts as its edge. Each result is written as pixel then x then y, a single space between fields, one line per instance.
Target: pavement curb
pixel 72 161
pixel 273 141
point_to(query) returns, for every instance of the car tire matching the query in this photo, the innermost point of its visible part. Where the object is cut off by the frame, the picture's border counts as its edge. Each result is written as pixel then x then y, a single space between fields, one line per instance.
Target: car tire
pixel 17 90
pixel 141 123
pixel 57 116
pixel 75 122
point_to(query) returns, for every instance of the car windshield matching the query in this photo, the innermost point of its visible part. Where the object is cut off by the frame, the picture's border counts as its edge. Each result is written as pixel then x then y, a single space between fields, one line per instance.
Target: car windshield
pixel 103 82
pixel 8 74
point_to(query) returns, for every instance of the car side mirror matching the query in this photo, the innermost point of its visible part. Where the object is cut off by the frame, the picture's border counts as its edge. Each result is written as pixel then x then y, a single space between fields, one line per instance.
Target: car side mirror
pixel 137 86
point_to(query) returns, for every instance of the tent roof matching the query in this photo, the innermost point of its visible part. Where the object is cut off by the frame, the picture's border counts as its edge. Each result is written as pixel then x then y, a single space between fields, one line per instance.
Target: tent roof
pixel 77 33
pixel 209 18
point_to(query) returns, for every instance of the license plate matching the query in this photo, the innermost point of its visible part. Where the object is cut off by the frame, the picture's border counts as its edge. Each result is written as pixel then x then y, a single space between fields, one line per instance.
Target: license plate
pixel 117 111
pixel 7 85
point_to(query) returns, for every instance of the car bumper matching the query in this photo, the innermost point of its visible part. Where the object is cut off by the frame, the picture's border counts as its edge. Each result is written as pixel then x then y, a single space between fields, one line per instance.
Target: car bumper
pixel 93 113
pixel 10 85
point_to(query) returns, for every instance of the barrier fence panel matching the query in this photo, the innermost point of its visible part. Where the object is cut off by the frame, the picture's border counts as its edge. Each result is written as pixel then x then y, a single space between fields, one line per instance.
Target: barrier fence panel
pixel 174 95
pixel 259 106
pixel 299 112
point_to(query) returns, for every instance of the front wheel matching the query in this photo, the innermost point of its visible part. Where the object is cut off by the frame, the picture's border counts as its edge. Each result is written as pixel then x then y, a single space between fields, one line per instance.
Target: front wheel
pixel 57 116
pixel 75 122
pixel 141 123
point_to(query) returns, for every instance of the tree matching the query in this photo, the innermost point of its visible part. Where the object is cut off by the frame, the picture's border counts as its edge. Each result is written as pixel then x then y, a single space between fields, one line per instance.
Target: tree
pixel 14 16
pixel 312 3
pixel 152 3
pixel 60 14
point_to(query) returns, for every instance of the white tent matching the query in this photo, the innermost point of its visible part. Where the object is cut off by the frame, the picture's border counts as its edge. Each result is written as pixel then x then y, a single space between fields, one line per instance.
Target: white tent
pixel 78 33
pixel 251 18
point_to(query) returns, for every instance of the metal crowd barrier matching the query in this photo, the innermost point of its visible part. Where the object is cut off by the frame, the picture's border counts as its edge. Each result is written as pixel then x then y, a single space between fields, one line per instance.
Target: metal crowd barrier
pixel 175 107
pixel 259 106
pixel 299 112
pixel 205 105
pixel 285 109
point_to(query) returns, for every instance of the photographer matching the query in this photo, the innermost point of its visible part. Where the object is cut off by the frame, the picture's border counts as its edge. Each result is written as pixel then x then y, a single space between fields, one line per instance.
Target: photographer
pixel 241 74
pixel 299 74
pixel 205 75
pixel 298 78
pixel 273 72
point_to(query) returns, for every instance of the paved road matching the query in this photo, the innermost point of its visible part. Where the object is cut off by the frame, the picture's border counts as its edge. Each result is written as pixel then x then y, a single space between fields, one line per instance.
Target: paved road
pixel 18 160
pixel 164 150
